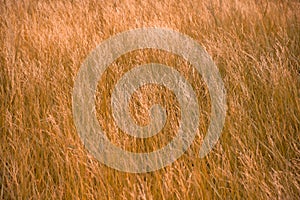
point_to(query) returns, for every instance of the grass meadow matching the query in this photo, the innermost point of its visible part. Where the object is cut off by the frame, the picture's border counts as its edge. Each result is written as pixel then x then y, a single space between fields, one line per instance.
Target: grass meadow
pixel 254 43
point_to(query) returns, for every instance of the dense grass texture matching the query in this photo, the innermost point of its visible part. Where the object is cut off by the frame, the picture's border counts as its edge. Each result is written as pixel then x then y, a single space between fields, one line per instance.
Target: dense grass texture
pixel 254 43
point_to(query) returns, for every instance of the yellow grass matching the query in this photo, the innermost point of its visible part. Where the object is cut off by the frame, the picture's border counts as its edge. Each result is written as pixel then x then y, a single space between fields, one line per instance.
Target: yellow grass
pixel 256 46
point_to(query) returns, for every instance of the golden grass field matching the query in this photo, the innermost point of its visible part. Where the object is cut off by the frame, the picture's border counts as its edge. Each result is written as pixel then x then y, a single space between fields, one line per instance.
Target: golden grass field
pixel 254 43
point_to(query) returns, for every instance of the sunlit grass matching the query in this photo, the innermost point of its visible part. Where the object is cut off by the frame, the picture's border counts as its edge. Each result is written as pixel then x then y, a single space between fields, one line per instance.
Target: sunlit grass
pixel 255 45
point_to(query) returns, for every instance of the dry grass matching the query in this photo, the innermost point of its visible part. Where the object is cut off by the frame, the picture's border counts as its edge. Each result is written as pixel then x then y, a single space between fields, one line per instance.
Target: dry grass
pixel 255 44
